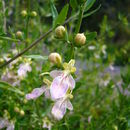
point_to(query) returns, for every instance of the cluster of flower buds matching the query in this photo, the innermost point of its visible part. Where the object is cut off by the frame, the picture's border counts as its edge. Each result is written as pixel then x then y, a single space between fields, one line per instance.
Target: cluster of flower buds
pixel 32 14
pixel 17 110
pixel 59 90
pixel 79 39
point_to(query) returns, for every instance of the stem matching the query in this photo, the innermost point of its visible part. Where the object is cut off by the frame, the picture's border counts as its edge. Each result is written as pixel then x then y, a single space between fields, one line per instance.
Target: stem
pixel 34 43
pixel 27 23
pixel 72 51
pixel 79 19
pixel 4 25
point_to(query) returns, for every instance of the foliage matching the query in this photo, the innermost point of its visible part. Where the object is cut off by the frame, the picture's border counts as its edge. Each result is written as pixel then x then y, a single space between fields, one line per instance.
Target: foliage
pixel 101 97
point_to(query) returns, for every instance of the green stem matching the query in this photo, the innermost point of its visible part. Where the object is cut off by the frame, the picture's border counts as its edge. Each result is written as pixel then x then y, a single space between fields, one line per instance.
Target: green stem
pixel 27 23
pixel 79 19
pixel 72 50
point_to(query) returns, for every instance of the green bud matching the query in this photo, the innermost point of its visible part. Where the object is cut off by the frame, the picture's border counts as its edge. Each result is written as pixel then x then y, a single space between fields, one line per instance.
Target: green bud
pixel 55 58
pixel 16 109
pixel 22 113
pixel 33 14
pixel 60 32
pixel 19 34
pixel 24 13
pixel 80 39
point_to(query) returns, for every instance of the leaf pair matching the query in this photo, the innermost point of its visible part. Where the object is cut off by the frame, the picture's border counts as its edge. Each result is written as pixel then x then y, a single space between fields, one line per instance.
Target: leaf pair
pixel 58 18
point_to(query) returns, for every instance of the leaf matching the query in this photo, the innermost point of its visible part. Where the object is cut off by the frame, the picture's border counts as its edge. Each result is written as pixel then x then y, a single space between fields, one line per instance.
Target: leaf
pixel 62 16
pixel 91 36
pixel 37 57
pixel 9 87
pixel 89 4
pixel 73 3
pixel 53 10
pixel 9 39
pixel 92 12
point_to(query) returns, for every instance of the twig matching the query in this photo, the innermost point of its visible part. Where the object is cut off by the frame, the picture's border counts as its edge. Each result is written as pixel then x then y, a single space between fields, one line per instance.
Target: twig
pixel 34 43
pixel 4 25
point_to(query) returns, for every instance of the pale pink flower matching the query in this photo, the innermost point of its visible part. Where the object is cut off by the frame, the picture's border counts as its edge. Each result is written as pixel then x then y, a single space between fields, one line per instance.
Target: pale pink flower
pixel 37 92
pixel 4 123
pixel 59 108
pixel 23 69
pixel 10 77
pixel 61 83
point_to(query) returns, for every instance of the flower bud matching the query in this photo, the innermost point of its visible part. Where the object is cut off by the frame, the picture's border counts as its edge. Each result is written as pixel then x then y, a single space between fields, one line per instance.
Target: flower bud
pixel 25 101
pixel 1 60
pixel 60 32
pixel 19 34
pixel 24 13
pixel 22 113
pixel 16 109
pixel 33 14
pixel 80 39
pixel 55 58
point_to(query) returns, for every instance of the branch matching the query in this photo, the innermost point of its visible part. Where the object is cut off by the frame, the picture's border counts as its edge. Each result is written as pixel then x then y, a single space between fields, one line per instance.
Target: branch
pixel 34 43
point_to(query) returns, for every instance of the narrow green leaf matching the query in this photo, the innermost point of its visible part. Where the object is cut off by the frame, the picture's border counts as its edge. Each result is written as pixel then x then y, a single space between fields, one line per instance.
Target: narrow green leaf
pixel 73 3
pixel 92 12
pixel 9 87
pixel 89 4
pixel 37 57
pixel 9 39
pixel 62 16
pixel 90 36
pixel 53 10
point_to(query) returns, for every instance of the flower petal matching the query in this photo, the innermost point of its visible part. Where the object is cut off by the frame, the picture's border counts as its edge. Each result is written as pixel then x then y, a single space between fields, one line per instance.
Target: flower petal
pixel 55 73
pixel 58 110
pixel 3 123
pixel 35 93
pixel 10 127
pixel 59 87
pixel 71 82
pixel 69 105
pixel 47 93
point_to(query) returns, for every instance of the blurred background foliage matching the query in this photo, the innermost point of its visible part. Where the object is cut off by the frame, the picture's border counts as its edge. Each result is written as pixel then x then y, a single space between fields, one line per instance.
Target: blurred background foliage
pixel 101 97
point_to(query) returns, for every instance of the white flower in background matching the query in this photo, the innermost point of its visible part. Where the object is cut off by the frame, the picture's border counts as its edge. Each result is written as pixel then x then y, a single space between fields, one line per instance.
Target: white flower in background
pixel 91 47
pixel 63 81
pixel 47 124
pixel 104 49
pixel 23 69
pixel 60 106
pixel 105 80
pixel 4 123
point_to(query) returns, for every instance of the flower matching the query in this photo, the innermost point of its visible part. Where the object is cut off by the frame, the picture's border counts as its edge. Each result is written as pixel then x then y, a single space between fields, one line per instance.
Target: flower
pixel 10 77
pixel 23 69
pixel 60 106
pixel 5 123
pixel 37 92
pixel 47 124
pixel 63 81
